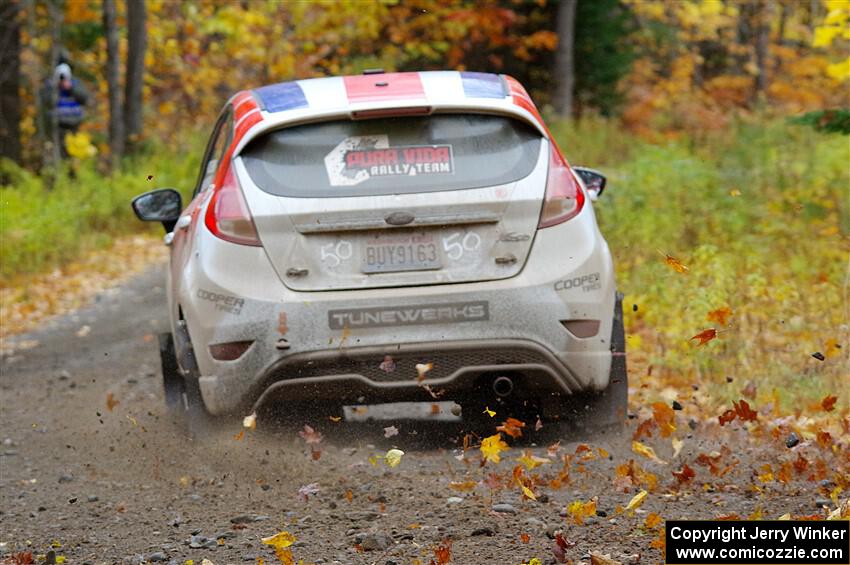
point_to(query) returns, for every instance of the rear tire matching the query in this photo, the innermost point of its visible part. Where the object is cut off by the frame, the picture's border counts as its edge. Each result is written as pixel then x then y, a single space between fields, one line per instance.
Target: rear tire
pixel 604 411
pixel 182 393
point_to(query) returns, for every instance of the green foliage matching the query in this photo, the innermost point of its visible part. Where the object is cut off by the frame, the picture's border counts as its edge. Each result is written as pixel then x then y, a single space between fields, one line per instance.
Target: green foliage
pixel 827 121
pixel 760 215
pixel 41 228
pixel 602 54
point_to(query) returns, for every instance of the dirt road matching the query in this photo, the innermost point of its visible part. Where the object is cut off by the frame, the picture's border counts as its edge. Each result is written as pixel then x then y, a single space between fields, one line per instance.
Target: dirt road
pixel 94 470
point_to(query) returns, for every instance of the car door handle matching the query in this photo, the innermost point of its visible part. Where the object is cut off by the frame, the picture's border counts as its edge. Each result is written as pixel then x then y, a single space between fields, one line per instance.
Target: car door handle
pixel 184 222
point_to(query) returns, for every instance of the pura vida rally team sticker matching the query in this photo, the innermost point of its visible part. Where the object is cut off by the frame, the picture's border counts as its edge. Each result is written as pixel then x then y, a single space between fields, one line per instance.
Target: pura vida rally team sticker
pixel 360 158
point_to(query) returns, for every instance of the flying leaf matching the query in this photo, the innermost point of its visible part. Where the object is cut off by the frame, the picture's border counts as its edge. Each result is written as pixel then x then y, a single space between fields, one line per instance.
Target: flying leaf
pixel 512 427
pixel 636 501
pixel 532 461
pixel 665 417
pixel 684 475
pixel 828 403
pixel 528 492
pixel 393 457
pixel 422 369
pixel 720 315
pixel 464 486
pixel 310 436
pixel 675 264
pixel 580 510
pixel 443 553
pixel 240 435
pixel 280 542
pixel 646 451
pixel 492 446
pixel 677 446
pixel 705 336
pixel 488 411
pixel 390 431
pixel 111 401
pixel 250 421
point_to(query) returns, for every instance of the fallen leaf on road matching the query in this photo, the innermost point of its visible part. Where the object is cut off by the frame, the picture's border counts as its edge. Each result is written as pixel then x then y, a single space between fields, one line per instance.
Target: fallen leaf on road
pixel 240 435
pixel 653 520
pixel 280 542
pixel 307 490
pixel 464 486
pixel 527 492
pixel 677 446
pixel 443 553
pixel 599 559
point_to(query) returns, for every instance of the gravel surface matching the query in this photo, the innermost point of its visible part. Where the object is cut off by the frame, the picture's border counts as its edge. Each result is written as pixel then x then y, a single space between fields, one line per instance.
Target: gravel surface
pixel 95 470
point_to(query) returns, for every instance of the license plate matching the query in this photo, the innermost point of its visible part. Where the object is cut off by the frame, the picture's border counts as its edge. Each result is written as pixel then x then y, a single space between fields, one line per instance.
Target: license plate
pixel 408 253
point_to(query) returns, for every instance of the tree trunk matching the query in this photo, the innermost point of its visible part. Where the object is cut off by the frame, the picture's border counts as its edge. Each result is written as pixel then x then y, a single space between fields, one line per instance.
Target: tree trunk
pixel 763 13
pixel 564 61
pixel 10 82
pixel 134 77
pixel 113 78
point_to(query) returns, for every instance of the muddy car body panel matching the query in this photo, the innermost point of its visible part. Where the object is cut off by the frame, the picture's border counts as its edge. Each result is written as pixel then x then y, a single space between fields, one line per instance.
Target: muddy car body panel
pixel 345 229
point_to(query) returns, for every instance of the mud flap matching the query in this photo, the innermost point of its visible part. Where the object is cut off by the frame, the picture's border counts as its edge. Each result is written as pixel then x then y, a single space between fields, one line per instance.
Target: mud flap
pixel 172 380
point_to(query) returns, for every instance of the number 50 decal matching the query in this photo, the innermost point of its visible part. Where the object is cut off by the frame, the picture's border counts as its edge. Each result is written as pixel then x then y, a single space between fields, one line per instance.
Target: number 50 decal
pixel 456 244
pixel 337 252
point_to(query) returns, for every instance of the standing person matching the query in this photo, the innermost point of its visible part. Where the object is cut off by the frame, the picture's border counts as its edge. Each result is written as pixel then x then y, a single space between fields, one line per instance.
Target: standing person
pixel 66 99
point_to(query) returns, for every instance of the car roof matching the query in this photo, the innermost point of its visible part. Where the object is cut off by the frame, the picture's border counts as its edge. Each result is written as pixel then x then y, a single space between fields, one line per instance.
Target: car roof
pixel 287 103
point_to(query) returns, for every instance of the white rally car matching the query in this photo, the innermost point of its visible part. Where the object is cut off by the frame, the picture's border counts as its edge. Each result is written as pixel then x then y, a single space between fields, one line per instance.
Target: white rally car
pixel 345 230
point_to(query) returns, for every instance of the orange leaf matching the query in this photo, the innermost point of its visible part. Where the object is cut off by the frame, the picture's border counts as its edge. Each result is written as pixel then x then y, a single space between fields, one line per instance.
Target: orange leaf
pixel 653 520
pixel 525 538
pixel 684 475
pixel 744 412
pixel 675 264
pixel 111 402
pixel 665 417
pixel 721 315
pixel 465 486
pixel 512 427
pixel 239 436
pixel 828 403
pixel 705 336
pixel 443 552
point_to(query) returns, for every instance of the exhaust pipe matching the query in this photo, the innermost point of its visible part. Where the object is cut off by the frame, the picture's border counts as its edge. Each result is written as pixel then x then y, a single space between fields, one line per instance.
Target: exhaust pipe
pixel 503 386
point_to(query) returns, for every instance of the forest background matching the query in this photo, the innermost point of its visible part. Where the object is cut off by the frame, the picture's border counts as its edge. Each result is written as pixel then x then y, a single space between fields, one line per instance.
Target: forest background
pixel 719 122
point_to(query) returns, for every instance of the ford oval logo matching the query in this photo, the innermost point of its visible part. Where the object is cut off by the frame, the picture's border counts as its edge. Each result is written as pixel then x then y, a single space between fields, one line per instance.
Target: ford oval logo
pixel 399 218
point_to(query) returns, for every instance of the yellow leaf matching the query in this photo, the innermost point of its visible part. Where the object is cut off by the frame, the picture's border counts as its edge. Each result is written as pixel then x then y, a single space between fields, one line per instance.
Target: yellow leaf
pixel 646 451
pixel 784 517
pixel 492 446
pixel 465 486
pixel 677 446
pixel 528 492
pixel 488 411
pixel 532 461
pixel 280 540
pixel 580 510
pixel 393 457
pixel 636 500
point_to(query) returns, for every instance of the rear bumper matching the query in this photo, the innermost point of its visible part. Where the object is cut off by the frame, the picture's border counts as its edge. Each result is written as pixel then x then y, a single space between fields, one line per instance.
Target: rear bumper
pixel 335 341
pixel 361 375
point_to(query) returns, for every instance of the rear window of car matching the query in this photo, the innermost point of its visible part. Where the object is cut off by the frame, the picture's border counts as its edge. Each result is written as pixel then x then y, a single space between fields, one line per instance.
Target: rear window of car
pixel 393 155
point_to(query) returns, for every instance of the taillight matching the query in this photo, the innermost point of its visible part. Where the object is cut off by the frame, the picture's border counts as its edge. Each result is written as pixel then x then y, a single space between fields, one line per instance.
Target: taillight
pixel 564 197
pixel 228 216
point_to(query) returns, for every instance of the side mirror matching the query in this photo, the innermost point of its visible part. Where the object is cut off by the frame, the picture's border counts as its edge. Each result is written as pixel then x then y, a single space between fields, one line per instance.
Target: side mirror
pixel 593 180
pixel 162 205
